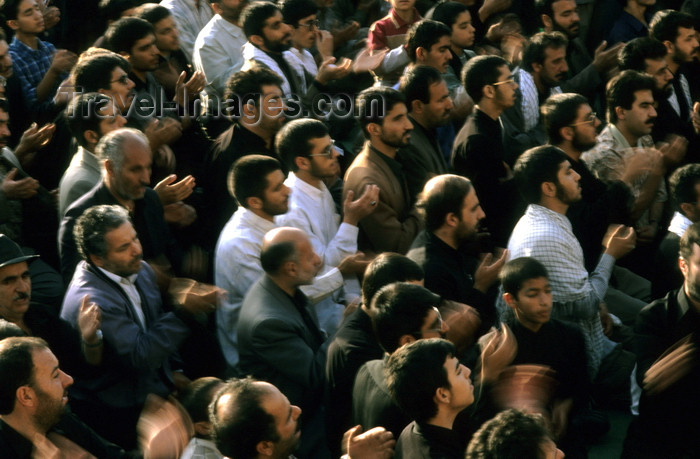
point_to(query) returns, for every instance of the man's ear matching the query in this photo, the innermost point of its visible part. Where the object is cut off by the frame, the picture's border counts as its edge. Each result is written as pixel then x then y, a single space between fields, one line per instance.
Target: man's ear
pixel 489 91
pixel 374 129
pixel 253 202
pixel 257 40
pixel 536 67
pixel 97 261
pixel 265 448
pixel 302 163
pixel 25 396
pixel 109 167
pixel 510 300
pixel 670 47
pixel 451 219
pixel 567 133
pixel 683 265
pixel 548 189
pixel 13 24
pixel 420 54
pixel 406 339
pixel 547 22
pixel 203 428
pixel 91 136
pixel 620 112
pixel 442 395
pixel 417 106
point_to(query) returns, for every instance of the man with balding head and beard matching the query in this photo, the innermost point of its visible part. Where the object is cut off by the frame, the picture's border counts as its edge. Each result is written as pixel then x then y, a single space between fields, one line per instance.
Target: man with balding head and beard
pixel 452 213
pixel 279 339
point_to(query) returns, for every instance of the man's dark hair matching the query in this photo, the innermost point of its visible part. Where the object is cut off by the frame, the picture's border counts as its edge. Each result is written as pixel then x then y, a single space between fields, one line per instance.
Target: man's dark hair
pixel 374 103
pixel 10 9
pixel 511 434
pixel 559 111
pixel 16 368
pixel 83 114
pixel 294 139
pixel 425 34
pixel 415 371
pixel 248 177
pixel 682 184
pixel 621 90
pixel 400 309
pixel 92 227
pixel 442 199
pixel 9 329
pixel 416 82
pixel 664 24
pixel 254 16
pixel 111 10
pixel 632 56
pixel 535 50
pixel 535 167
pixel 122 35
pixel 153 12
pixel 447 12
pixel 4 105
pixel 242 423
pixel 197 396
pixel 545 7
pixel 94 72
pixel 294 11
pixel 387 268
pixel 481 71
pixel 246 86
pixel 274 256
pixel 519 270
pixel 690 238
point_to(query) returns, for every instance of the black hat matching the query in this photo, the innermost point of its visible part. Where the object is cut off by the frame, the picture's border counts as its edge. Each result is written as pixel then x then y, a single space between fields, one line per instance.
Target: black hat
pixel 10 253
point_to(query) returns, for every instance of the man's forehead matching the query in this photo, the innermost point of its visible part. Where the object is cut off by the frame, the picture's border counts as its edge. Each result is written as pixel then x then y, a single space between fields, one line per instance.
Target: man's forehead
pixel 14 269
pixel 642 96
pixel 561 6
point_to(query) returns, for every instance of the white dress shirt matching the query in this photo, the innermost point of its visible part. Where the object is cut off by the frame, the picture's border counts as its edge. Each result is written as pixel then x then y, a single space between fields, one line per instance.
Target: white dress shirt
pixel 217 53
pixel 190 17
pixel 128 284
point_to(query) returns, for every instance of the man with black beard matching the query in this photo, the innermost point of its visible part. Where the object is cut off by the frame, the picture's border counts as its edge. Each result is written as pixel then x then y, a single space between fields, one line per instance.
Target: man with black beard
pixel 383 117
pixel 571 125
pixel 33 419
pixel 269 39
pixel 452 212
pixel 666 338
pixel 586 75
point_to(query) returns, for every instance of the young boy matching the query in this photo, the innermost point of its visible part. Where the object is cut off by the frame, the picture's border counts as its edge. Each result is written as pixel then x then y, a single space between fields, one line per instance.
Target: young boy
pixel 38 65
pixel 553 343
pixel 390 31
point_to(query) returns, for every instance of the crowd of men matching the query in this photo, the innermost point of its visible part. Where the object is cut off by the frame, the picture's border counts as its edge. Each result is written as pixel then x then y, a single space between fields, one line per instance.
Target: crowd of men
pixel 324 228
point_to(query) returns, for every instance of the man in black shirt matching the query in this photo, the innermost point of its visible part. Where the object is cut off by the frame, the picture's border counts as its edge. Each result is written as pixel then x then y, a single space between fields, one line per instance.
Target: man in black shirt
pixel 478 151
pixel 452 214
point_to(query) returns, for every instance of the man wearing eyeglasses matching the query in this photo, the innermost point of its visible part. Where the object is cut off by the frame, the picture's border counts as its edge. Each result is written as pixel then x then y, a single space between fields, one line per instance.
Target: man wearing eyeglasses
pixel 571 125
pixel 309 153
pixel 479 152
pixel 542 69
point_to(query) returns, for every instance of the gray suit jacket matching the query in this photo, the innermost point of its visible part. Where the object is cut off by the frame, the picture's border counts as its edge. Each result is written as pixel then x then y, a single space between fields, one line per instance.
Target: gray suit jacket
pixel 277 345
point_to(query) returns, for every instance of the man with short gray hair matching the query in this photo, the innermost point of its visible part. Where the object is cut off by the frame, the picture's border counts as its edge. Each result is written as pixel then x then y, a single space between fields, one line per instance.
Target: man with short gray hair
pixel 126 175
pixel 139 337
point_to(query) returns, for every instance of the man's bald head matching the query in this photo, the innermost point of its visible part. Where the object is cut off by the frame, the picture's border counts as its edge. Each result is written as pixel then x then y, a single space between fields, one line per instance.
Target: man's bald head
pixel 280 245
pixel 441 196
